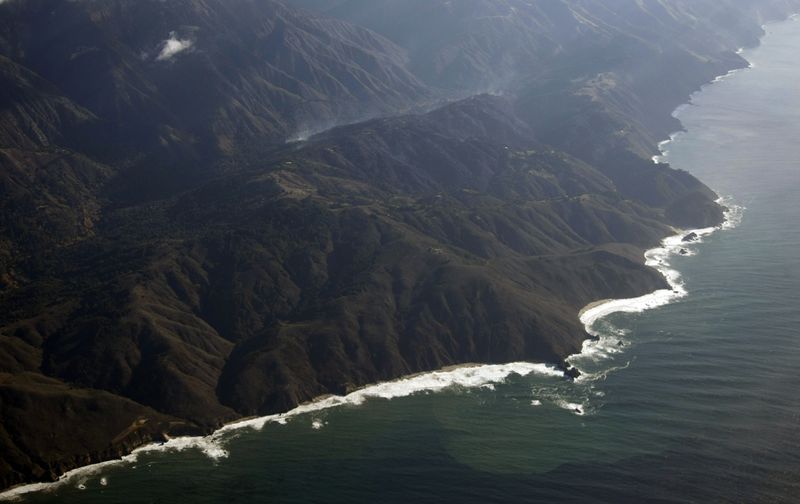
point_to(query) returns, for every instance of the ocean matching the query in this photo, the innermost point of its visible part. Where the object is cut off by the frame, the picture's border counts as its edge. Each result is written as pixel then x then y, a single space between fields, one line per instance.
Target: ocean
pixel 694 400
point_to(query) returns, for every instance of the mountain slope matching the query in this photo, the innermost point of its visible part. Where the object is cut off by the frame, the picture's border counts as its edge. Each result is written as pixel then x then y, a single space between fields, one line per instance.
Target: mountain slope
pixel 178 250
pixel 368 252
pixel 618 67
pixel 94 110
pixel 253 68
pixel 489 44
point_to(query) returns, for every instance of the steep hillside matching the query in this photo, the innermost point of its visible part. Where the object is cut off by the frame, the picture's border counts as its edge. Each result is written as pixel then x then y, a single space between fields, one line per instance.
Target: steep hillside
pixel 368 252
pixel 490 44
pixel 588 74
pixel 134 100
pixel 178 249
pixel 207 72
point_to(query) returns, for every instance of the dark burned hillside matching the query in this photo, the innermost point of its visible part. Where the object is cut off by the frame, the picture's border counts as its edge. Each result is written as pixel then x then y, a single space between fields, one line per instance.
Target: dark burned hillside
pixel 169 261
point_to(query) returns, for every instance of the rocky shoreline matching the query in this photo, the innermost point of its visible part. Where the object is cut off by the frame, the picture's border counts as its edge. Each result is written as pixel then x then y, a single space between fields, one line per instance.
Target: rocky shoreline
pixel 173 293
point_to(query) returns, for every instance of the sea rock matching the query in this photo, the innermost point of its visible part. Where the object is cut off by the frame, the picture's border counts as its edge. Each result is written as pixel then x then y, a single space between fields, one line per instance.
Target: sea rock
pixel 684 251
pixel 690 237
pixel 303 270
pixel 572 373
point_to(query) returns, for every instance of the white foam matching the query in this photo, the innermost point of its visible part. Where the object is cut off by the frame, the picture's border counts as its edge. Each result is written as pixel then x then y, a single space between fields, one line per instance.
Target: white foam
pixel 603 374
pixel 733 215
pixel 603 345
pixel 662 146
pixel 79 476
pixel 436 381
pixel 575 408
pixel 602 348
pixel 731 73
pixel 479 376
pixel 471 376
pixel 207 445
pixel 213 445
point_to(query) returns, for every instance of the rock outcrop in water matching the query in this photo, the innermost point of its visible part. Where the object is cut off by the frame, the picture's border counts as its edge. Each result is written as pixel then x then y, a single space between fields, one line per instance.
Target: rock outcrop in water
pixel 168 262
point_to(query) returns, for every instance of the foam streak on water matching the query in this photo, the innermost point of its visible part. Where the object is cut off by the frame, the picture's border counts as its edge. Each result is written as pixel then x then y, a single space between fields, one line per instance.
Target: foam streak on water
pixel 213 446
pixel 574 398
pixel 469 376
pixel 608 342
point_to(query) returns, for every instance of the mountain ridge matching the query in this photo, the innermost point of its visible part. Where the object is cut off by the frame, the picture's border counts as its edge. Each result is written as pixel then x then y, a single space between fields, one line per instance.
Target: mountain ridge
pixel 164 285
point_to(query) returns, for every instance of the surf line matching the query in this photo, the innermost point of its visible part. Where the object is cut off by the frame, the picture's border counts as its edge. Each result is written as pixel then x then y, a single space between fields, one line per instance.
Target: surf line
pixel 466 376
pixel 600 345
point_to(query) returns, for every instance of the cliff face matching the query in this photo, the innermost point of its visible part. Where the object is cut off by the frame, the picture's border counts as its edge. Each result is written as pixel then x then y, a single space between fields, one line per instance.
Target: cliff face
pixel 168 262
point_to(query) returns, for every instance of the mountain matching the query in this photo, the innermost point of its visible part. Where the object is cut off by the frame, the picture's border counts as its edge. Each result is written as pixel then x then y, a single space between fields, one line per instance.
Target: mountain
pixel 490 44
pixel 179 249
pixel 94 94
pixel 193 71
pixel 620 67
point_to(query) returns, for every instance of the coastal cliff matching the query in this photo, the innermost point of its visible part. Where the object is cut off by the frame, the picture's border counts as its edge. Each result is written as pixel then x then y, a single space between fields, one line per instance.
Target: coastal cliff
pixel 179 250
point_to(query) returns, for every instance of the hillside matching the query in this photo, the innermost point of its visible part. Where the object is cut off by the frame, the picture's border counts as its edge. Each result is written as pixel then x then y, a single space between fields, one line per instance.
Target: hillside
pixel 179 249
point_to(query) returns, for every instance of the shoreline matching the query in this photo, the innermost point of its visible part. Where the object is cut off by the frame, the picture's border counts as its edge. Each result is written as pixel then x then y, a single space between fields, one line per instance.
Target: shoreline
pixel 657 258
pixel 658 158
pixel 468 375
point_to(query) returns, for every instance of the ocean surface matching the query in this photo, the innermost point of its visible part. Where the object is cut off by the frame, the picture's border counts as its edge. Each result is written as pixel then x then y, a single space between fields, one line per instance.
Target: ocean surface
pixel 697 400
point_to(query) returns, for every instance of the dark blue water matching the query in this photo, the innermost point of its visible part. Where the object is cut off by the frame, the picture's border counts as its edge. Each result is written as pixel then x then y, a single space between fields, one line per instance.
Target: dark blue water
pixel 700 404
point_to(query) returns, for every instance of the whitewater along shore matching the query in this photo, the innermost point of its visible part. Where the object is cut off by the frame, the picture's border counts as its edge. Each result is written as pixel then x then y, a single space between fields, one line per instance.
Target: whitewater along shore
pixel 211 359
